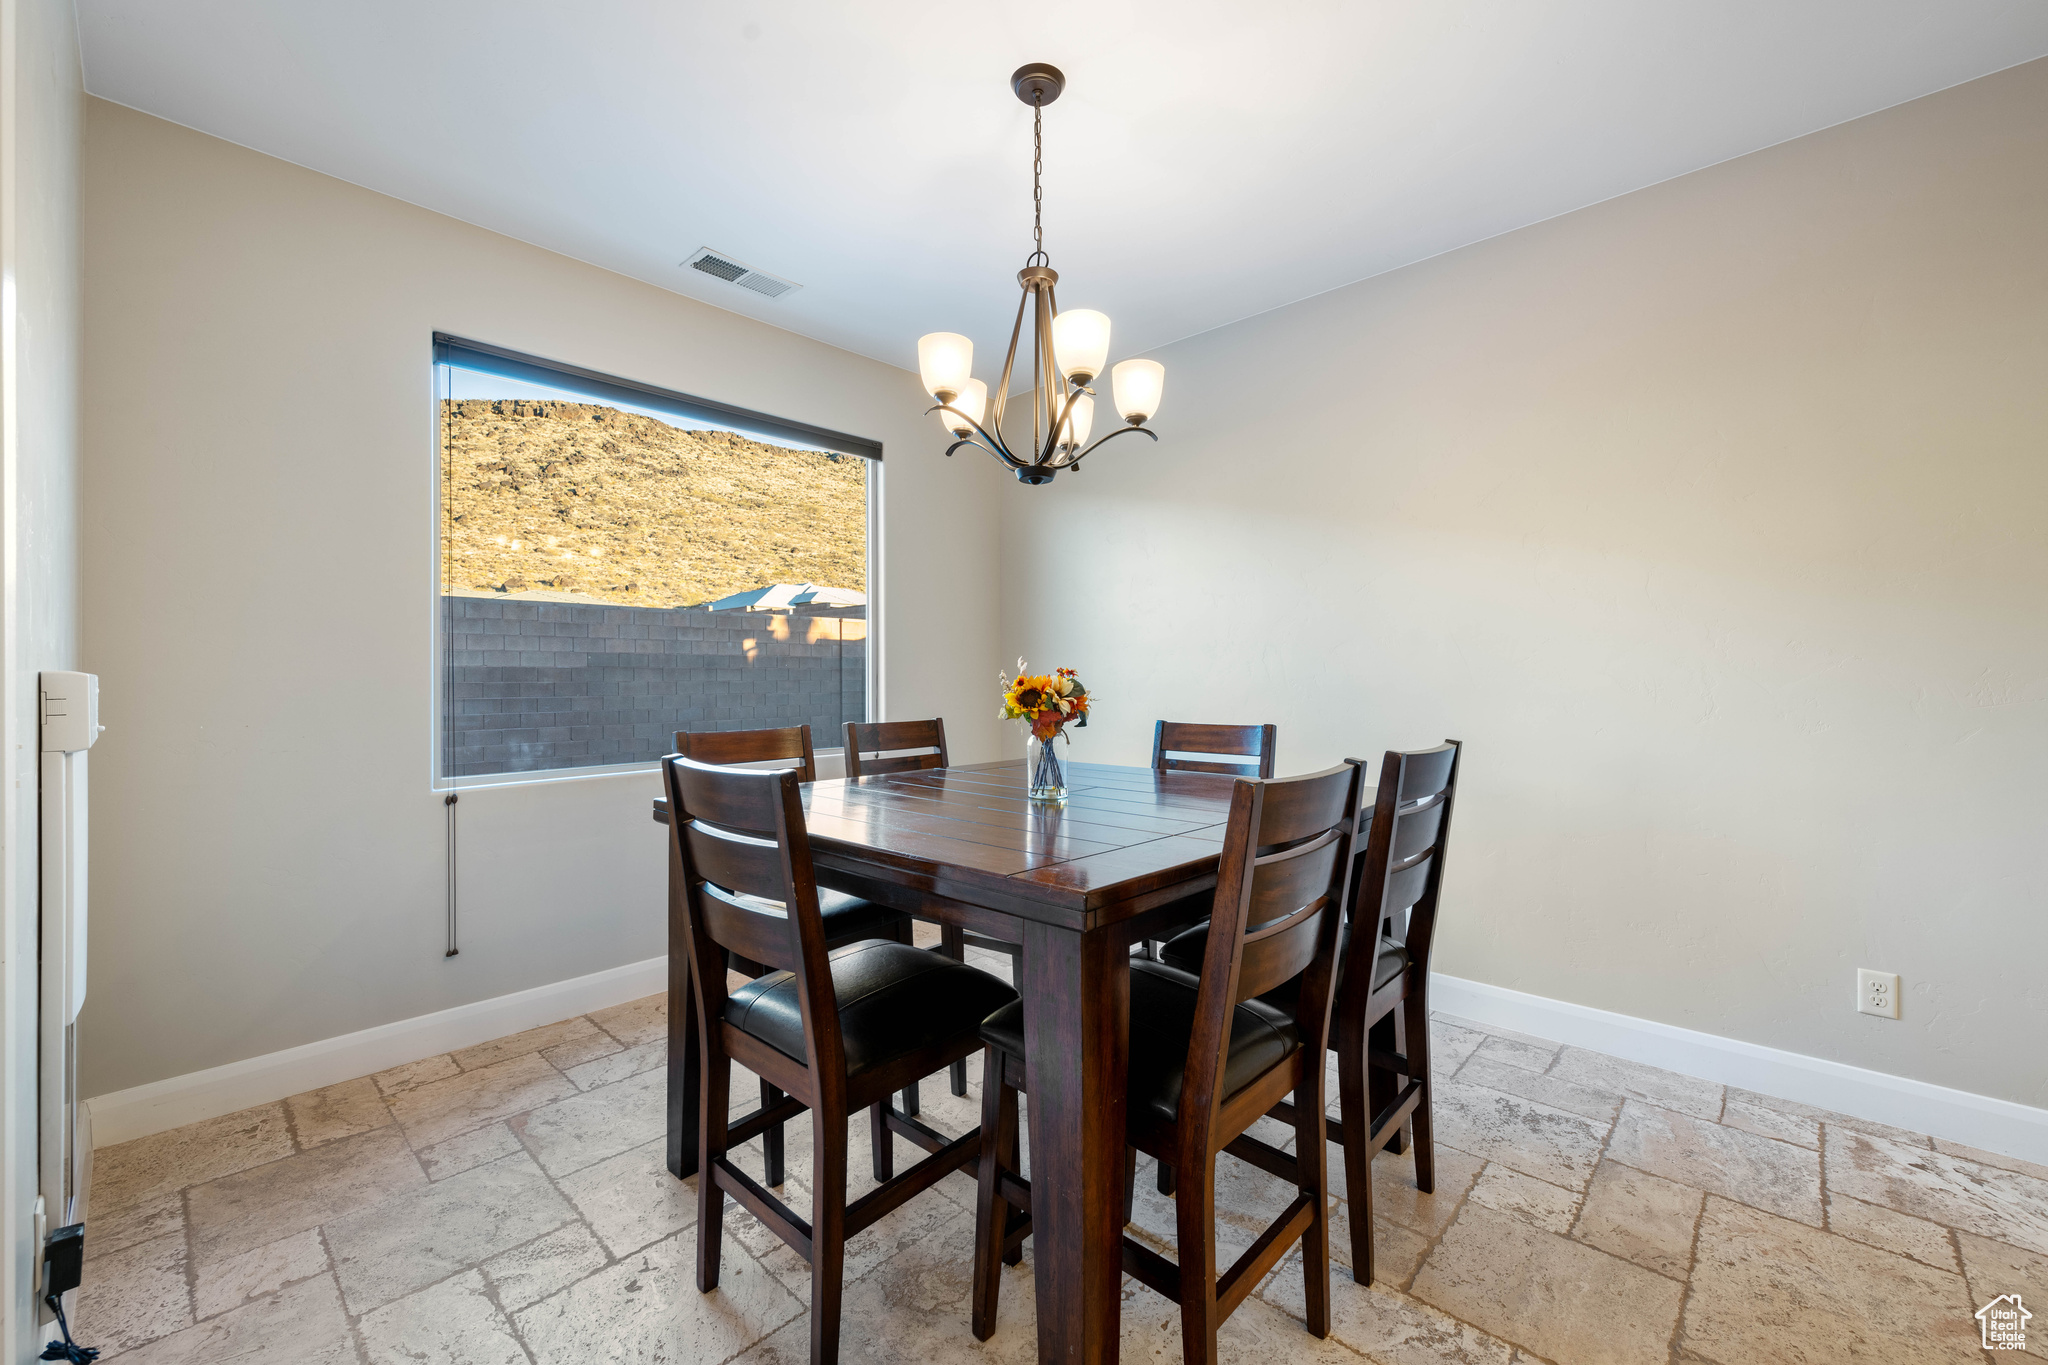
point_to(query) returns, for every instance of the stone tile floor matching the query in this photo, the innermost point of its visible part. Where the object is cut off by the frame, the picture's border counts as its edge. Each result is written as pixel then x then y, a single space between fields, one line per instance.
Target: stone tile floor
pixel 508 1204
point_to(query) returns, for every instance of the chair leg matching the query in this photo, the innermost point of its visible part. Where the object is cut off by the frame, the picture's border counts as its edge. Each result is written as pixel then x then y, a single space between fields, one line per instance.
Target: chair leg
pixel 1416 1007
pixel 771 1141
pixel 1012 1155
pixel 828 1233
pixel 1130 1182
pixel 884 1152
pixel 1310 1137
pixel 1163 1180
pixel 991 1210
pixel 1195 1233
pixel 1357 1121
pixel 1381 1086
pixel 905 932
pixel 714 1106
pixel 953 944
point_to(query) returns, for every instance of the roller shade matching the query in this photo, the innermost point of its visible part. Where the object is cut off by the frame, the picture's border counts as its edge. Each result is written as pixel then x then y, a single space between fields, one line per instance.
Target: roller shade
pixel 487 359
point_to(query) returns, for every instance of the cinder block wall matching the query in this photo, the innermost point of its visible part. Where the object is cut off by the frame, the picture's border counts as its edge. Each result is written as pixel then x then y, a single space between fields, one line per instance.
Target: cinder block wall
pixel 538 685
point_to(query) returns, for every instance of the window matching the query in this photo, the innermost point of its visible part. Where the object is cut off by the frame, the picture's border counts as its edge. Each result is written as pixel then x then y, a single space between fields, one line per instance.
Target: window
pixel 618 562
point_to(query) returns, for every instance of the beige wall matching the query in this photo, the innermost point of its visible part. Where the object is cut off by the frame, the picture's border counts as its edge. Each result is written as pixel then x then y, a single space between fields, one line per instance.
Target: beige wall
pixel 40 105
pixel 1712 517
pixel 267 857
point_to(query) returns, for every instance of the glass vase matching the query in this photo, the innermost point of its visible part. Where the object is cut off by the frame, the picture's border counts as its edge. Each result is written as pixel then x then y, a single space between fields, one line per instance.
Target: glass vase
pixel 1042 765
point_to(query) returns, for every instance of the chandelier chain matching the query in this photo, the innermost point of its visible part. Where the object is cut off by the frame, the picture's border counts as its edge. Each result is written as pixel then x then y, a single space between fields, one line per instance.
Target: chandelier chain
pixel 1037 172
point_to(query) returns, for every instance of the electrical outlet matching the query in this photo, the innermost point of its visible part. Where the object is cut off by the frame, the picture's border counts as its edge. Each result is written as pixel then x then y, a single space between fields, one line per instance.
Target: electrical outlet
pixel 1877 993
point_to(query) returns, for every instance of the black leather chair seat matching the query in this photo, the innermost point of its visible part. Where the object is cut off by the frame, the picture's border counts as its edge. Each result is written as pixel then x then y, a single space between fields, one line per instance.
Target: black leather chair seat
pixel 1186 950
pixel 1162 1021
pixel 1189 911
pixel 893 999
pixel 849 917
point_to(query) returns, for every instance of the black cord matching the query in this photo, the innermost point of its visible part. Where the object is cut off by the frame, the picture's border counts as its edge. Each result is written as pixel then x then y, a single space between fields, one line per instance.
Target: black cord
pixel 66 1349
pixel 453 884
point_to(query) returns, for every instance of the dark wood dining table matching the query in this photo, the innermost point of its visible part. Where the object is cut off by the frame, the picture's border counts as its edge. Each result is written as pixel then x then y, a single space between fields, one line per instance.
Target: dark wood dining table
pixel 1076 885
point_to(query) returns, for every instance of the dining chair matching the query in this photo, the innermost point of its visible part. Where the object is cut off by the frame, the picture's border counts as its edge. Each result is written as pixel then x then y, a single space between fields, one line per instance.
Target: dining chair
pixel 876 747
pixel 1206 746
pixel 847 918
pixel 1380 1025
pixel 1380 1028
pixel 834 1030
pixel 1179 746
pixel 1208 1059
pixel 731 747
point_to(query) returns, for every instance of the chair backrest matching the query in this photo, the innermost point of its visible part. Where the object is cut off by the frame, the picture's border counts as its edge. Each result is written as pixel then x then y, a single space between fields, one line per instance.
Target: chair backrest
pixel 1254 742
pixel 886 737
pixel 728 747
pixel 750 890
pixel 1280 891
pixel 1405 833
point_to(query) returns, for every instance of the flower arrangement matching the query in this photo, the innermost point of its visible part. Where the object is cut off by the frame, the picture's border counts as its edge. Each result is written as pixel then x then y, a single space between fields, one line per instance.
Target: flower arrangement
pixel 1048 701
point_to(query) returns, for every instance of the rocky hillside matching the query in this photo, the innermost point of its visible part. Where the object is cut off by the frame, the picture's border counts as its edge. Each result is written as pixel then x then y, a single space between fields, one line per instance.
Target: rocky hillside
pixel 628 509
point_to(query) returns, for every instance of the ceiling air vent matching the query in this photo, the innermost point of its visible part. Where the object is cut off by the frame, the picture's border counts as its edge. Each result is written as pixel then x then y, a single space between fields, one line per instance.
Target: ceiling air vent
pixel 721 266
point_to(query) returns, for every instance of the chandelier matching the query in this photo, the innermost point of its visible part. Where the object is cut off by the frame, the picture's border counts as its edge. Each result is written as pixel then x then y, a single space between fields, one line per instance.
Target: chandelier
pixel 1068 350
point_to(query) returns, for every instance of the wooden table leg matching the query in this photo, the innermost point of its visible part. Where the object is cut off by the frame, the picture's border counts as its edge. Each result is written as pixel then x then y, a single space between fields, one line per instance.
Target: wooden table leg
pixel 683 1058
pixel 1077 1004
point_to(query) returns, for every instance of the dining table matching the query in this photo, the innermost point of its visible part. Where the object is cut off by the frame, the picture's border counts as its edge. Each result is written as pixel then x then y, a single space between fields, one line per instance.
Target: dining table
pixel 1076 885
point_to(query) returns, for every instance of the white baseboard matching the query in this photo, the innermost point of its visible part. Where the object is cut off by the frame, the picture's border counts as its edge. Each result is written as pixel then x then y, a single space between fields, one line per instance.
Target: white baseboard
pixel 1978 1120
pixel 1994 1125
pixel 128 1114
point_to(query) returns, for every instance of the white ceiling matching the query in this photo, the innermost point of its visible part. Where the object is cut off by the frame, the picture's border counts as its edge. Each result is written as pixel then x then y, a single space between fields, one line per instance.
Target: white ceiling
pixel 1208 161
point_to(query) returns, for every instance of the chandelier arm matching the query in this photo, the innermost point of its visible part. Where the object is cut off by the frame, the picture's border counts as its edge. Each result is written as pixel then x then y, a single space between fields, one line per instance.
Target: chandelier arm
pixel 1052 310
pixel 1120 431
pixel 1003 384
pixel 970 441
pixel 1041 344
pixel 1005 461
pixel 1048 396
pixel 1054 373
pixel 1065 413
pixel 994 444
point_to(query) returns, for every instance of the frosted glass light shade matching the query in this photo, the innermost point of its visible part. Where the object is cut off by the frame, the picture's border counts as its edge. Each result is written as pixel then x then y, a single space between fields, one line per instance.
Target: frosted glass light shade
pixel 973 401
pixel 1075 432
pixel 1137 384
pixel 944 359
pixel 1080 341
